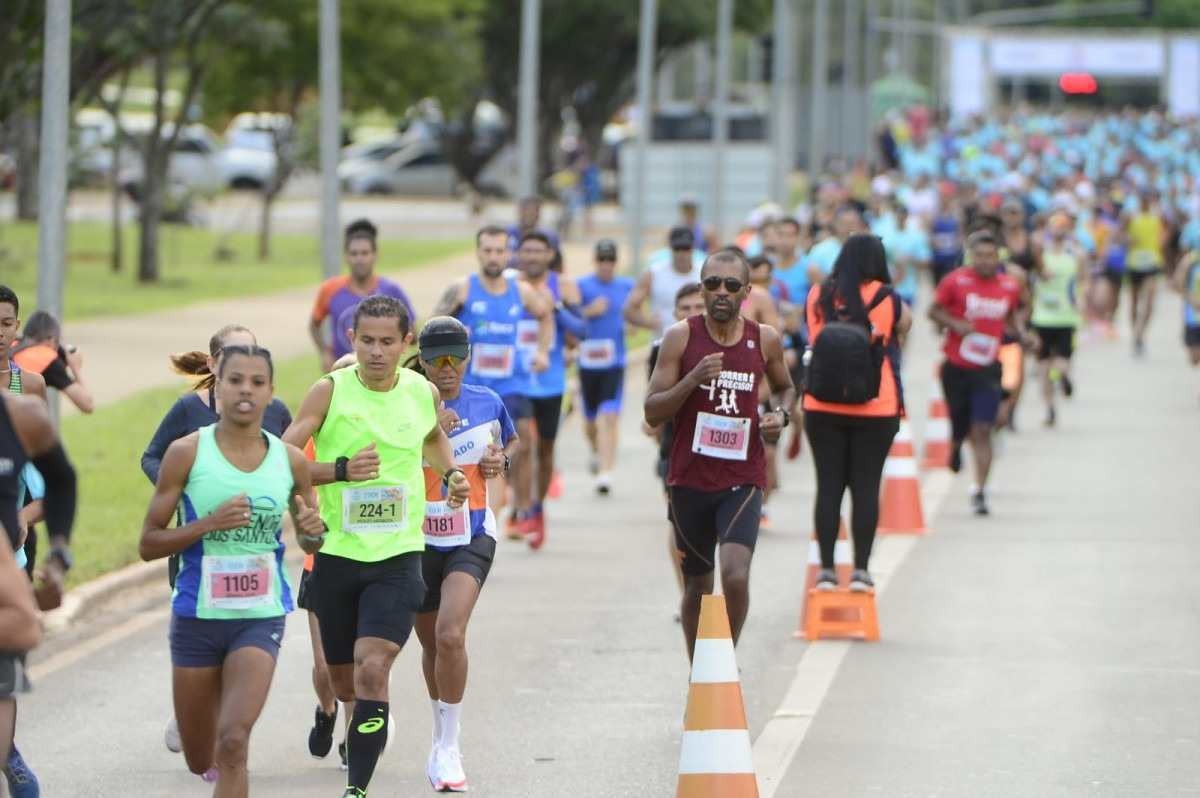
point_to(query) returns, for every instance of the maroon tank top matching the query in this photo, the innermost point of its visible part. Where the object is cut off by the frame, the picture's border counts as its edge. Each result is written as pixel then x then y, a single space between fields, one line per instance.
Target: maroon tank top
pixel 717 445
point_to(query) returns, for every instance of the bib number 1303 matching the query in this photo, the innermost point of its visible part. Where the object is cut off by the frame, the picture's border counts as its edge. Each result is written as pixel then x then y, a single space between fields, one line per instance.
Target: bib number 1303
pixel 721 436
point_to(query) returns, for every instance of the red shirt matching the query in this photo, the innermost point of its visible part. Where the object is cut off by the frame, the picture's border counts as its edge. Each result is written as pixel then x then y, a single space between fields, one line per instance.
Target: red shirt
pixel 986 303
pixel 717 445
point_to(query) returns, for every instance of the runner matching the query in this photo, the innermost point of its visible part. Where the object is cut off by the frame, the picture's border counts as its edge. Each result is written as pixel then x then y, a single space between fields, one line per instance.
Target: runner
pixel 689 301
pixel 908 253
pixel 820 259
pixel 1187 283
pixel 1059 286
pixel 459 543
pixel 602 359
pixel 1147 235
pixel 663 277
pixel 976 305
pixel 543 388
pixel 529 215
pixel 491 306
pixel 689 217
pixel 338 296
pixel 371 425
pixel 706 381
pixel 196 409
pixel 41 352
pixel 12 377
pixel 233 479
pixel 946 240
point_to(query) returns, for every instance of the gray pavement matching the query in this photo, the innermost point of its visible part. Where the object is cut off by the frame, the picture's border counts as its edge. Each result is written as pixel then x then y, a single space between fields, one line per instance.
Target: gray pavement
pixel 1048 650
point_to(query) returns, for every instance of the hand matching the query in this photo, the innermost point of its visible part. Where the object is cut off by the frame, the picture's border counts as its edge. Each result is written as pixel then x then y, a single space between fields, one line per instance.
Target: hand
pixel 708 369
pixel 1030 340
pixel 651 430
pixel 458 490
pixel 310 529
pixel 541 362
pixel 48 590
pixel 447 418
pixel 962 326
pixel 364 465
pixel 75 360
pixel 233 514
pixel 597 307
pixel 492 463
pixel 771 425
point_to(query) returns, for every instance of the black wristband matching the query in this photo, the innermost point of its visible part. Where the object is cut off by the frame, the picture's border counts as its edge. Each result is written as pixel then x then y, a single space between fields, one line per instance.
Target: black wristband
pixel 787 417
pixel 340 468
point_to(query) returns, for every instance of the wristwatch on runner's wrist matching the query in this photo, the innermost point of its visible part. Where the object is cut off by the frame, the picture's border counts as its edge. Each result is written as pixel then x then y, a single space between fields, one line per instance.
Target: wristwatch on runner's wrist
pixel 341 467
pixel 449 471
pixel 63 555
pixel 787 417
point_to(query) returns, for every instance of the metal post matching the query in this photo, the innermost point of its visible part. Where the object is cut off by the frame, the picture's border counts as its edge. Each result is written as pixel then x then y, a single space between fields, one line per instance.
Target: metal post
pixel 905 15
pixel 818 120
pixel 527 98
pixel 721 114
pixel 850 56
pixel 871 47
pixel 330 135
pixel 645 74
pixel 783 107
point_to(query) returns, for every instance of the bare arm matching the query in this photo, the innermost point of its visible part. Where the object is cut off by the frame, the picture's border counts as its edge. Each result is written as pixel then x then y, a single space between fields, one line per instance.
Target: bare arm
pixel 438 452
pixel 783 391
pixel 19 626
pixel 632 311
pixel 308 420
pixel 33 384
pixel 668 390
pixel 310 529
pixel 159 539
pixel 542 309
pixel 944 318
pixel 452 299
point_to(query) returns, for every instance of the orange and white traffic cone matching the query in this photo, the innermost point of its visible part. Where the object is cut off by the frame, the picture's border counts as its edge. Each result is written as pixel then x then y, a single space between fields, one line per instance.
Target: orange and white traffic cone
pixel 716 759
pixel 900 505
pixel 843 563
pixel 937 428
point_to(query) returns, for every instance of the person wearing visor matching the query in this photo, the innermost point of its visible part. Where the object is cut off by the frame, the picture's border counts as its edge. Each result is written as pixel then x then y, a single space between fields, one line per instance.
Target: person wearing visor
pixel 460 542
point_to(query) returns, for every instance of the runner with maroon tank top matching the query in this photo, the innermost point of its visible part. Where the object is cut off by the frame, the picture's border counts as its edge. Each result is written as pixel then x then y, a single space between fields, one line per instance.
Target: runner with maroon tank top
pixel 706 383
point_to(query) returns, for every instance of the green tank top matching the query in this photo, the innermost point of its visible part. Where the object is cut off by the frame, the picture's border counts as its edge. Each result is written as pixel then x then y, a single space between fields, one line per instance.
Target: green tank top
pixel 1054 292
pixel 236 573
pixel 382 518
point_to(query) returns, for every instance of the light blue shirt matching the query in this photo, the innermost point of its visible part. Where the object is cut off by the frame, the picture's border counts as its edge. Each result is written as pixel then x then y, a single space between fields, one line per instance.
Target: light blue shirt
pixel 823 255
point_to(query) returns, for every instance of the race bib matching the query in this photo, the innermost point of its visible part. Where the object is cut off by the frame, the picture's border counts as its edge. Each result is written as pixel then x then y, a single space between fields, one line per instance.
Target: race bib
pixel 238 582
pixel 721 436
pixel 446 526
pixel 527 335
pixel 376 509
pixel 1142 259
pixel 979 349
pixel 598 353
pixel 492 360
pixel 1050 301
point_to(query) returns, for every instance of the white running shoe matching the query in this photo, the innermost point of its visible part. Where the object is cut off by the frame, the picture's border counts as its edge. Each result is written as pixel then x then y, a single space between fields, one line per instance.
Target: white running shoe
pixel 431 766
pixel 171 736
pixel 448 771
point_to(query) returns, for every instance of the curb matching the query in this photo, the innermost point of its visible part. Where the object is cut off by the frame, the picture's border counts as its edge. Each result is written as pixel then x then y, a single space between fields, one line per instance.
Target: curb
pixel 89 594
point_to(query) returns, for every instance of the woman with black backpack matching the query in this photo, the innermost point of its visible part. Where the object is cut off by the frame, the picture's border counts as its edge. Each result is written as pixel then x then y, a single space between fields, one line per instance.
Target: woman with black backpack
pixel 853 397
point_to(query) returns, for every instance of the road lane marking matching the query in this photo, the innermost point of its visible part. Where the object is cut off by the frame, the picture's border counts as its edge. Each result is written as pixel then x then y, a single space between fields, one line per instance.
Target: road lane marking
pixel 71 655
pixel 781 738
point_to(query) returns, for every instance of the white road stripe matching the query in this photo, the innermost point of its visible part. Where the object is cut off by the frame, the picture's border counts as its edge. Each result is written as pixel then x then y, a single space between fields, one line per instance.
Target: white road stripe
pixel 781 738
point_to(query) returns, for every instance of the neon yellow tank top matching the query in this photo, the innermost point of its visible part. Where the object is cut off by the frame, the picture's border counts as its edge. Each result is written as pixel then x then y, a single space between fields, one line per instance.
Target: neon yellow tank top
pixel 1054 300
pixel 1145 235
pixel 382 518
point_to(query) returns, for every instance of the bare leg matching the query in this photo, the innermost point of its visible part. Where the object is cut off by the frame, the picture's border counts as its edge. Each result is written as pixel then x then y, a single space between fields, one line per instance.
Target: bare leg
pixel 320 671
pixel 522 467
pixel 246 678
pixel 981 447
pixel 8 727
pixel 608 426
pixel 197 693
pixel 694 587
pixel 460 591
pixel 425 626
pixel 545 468
pixel 735 584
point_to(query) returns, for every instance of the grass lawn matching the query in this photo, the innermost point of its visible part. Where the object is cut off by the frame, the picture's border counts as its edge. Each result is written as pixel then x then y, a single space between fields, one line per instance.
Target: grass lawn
pixel 106 449
pixel 190 273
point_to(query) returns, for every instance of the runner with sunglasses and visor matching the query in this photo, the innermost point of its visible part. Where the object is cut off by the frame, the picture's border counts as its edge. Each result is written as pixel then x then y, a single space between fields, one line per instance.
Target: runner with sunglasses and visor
pixel 706 382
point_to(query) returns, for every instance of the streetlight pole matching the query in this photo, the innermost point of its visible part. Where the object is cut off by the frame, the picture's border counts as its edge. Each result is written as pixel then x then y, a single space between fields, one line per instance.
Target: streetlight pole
pixel 850 57
pixel 645 75
pixel 721 113
pixel 527 97
pixel 330 76
pixel 52 158
pixel 818 122
pixel 783 101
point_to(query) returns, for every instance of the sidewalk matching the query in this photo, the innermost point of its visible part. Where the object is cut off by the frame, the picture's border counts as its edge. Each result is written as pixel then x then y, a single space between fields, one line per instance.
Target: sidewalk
pixel 1050 649
pixel 128 354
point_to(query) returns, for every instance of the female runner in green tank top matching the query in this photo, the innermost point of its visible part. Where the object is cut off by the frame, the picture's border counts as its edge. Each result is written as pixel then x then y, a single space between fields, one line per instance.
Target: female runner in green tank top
pixel 234 481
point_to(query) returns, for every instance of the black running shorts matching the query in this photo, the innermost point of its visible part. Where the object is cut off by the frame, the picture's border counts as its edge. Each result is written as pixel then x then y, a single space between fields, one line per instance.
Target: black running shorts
pixel 1055 342
pixel 703 519
pixel 474 559
pixel 365 599
pixel 304 593
pixel 601 390
pixel 547 411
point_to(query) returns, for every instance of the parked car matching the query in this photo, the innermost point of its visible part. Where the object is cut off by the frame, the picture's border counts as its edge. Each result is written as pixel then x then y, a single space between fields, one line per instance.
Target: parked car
pixel 248 160
pixel 420 168
pixel 193 164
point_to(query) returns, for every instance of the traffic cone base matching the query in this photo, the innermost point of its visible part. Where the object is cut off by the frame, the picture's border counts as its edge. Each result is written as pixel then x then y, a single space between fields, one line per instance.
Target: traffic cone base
pixel 828 610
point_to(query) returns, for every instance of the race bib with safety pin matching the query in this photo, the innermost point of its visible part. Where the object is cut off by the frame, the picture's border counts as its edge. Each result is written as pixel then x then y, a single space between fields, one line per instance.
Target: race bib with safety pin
pixel 492 360
pixel 374 510
pixel 238 582
pixel 598 353
pixel 721 436
pixel 447 526
pixel 979 349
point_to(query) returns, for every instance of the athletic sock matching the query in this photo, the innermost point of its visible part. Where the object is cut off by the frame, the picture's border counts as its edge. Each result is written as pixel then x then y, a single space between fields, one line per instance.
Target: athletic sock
pixel 437 719
pixel 366 739
pixel 450 716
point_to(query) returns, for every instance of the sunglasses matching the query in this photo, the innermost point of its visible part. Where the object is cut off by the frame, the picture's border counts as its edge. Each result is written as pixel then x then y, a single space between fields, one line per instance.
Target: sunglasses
pixel 732 284
pixel 441 361
pixel 606 259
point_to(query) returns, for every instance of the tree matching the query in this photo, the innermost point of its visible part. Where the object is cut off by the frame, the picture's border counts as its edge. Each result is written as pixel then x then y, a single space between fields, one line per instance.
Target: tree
pixel 393 54
pixel 588 56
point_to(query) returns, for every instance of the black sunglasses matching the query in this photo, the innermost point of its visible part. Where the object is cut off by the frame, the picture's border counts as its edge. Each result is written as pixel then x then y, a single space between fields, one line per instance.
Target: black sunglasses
pixel 606 259
pixel 732 284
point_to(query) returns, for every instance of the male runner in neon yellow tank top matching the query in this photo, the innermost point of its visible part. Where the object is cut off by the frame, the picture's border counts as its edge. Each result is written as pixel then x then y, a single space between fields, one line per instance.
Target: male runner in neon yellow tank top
pixel 372 424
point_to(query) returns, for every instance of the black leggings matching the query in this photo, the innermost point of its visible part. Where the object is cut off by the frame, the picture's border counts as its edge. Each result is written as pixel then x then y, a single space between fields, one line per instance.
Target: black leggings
pixel 848 452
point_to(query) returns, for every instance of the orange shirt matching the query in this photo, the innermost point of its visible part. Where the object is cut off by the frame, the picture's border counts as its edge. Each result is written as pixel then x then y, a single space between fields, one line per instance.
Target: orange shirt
pixel 883 319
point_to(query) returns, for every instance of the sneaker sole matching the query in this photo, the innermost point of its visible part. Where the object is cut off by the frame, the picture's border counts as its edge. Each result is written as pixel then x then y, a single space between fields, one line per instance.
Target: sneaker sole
pixel 861 587
pixel 826 587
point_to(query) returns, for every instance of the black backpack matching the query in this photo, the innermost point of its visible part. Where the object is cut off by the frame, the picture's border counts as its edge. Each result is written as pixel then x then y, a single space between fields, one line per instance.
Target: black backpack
pixel 847 359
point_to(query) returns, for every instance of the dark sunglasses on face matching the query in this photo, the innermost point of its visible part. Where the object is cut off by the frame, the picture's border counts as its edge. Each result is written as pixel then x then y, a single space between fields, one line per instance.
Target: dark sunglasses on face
pixel 606 260
pixel 732 284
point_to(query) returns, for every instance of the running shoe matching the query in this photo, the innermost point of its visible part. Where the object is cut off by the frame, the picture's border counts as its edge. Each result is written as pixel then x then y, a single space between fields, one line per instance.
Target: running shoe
pixel 536 534
pixel 210 776
pixel 827 579
pixel 1068 387
pixel 979 503
pixel 861 581
pixel 956 457
pixel 354 792
pixel 517 527
pixel 345 765
pixel 320 737
pixel 171 736
pixel 431 765
pixel 555 491
pixel 603 484
pixel 448 771
pixel 1051 417
pixel 22 783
